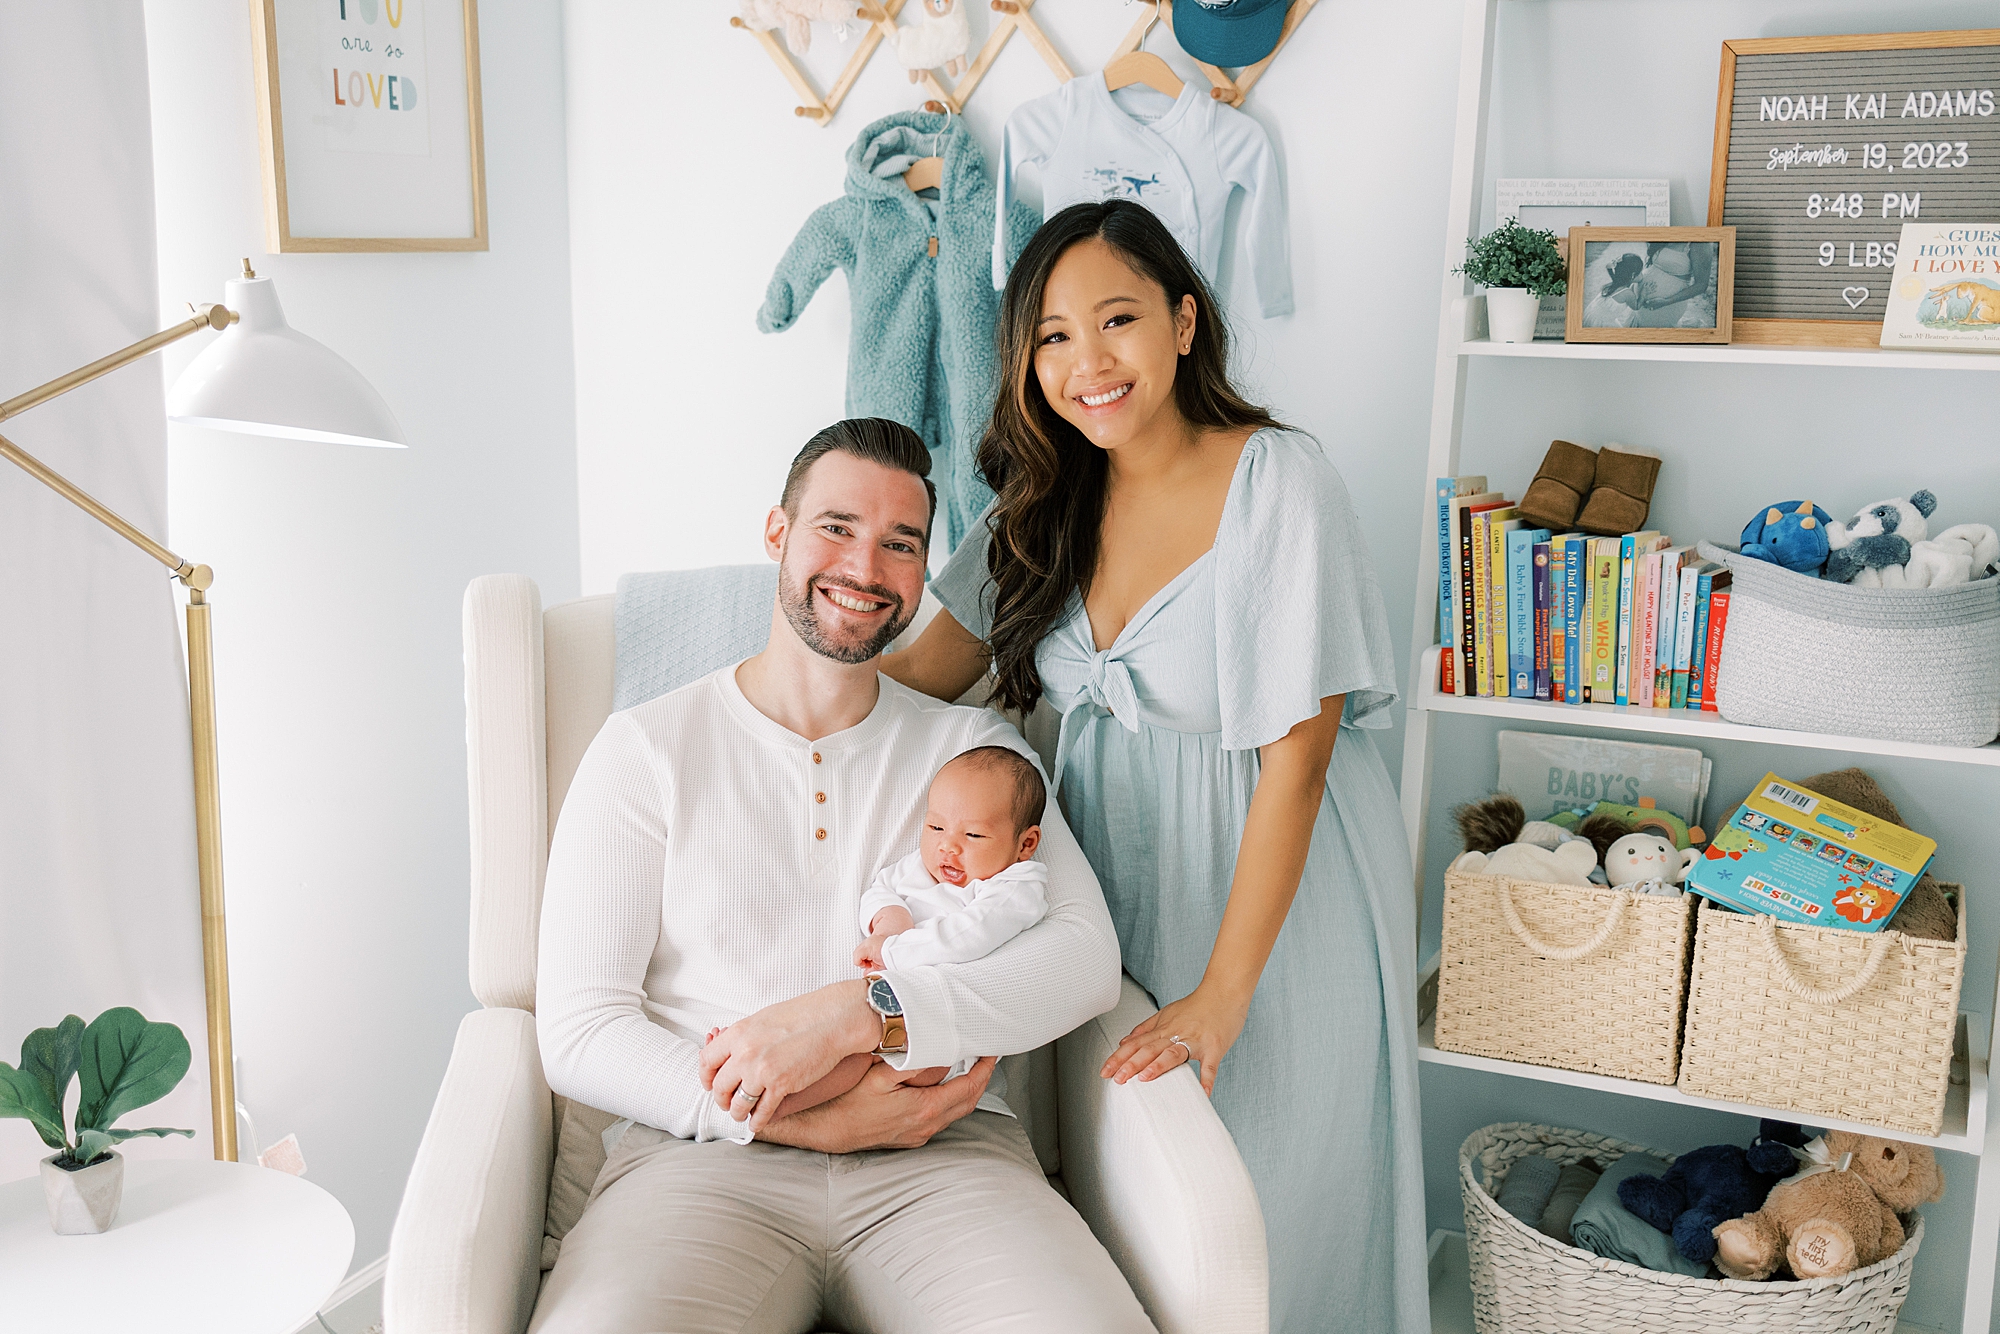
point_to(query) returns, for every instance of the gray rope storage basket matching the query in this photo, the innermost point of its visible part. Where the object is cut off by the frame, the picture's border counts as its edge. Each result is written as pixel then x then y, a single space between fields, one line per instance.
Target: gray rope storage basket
pixel 1903 664
pixel 1527 1283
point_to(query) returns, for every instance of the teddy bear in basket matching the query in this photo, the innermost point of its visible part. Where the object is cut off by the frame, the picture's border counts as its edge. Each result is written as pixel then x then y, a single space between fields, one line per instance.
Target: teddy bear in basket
pixel 1711 1185
pixel 1500 839
pixel 1840 1212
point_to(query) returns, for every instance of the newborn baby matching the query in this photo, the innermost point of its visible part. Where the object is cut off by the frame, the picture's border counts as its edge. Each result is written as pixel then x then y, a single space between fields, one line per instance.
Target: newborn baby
pixel 969 888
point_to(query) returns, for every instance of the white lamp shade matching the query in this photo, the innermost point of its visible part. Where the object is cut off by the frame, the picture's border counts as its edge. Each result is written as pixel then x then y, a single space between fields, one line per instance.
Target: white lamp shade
pixel 262 377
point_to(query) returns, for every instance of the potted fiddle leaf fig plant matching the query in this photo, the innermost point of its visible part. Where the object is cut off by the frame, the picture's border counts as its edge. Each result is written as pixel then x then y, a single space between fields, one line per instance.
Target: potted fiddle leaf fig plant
pixel 1518 266
pixel 124 1062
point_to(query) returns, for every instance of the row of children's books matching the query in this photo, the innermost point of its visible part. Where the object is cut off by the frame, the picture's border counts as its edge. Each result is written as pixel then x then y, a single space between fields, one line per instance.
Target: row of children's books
pixel 1569 617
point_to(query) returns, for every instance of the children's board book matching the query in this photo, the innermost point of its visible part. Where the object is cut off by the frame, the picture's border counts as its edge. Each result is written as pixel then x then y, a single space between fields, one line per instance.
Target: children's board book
pixel 1575 607
pixel 1701 671
pixel 1795 855
pixel 1539 633
pixel 1945 293
pixel 1718 627
pixel 1551 772
pixel 1448 490
pixel 1630 548
pixel 1496 594
pixel 1683 669
pixel 1469 509
pixel 1520 622
pixel 1603 619
pixel 1666 620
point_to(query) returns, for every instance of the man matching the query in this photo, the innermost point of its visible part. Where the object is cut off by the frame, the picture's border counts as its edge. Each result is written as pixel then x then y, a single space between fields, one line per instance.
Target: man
pixel 707 871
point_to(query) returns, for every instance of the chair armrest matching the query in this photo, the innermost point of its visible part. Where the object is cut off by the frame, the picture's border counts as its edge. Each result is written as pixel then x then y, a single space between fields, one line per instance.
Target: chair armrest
pixel 465 1255
pixel 1153 1171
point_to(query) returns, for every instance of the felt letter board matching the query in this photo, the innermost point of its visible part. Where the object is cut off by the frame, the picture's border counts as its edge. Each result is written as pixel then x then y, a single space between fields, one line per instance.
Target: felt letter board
pixel 1825 147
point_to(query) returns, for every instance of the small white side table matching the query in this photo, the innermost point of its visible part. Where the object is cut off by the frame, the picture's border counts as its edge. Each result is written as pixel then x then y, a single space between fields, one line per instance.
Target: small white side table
pixel 207 1247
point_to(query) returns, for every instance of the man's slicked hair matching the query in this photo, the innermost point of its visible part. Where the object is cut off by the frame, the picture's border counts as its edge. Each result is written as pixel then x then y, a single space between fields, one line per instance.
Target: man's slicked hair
pixel 876 439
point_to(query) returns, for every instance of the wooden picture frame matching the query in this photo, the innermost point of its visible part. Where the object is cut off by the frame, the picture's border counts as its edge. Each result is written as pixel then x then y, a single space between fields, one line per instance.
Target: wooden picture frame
pixel 1814 332
pixel 349 165
pixel 1577 299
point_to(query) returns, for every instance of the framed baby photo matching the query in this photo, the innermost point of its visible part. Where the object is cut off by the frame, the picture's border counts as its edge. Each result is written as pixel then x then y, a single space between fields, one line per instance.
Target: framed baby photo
pixel 1650 284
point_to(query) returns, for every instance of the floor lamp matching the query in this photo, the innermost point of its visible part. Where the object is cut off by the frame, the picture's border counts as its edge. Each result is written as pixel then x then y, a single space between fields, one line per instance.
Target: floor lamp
pixel 260 377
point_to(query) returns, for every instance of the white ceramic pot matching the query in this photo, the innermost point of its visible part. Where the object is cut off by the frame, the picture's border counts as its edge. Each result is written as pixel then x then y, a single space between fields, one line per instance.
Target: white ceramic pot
pixel 1510 314
pixel 86 1200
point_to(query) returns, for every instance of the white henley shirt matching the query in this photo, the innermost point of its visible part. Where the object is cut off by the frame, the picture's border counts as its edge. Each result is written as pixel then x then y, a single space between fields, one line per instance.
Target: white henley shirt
pixel 708 862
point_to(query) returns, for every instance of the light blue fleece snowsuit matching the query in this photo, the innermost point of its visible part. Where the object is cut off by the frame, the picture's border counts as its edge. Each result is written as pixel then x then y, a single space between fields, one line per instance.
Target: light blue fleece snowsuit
pixel 921 349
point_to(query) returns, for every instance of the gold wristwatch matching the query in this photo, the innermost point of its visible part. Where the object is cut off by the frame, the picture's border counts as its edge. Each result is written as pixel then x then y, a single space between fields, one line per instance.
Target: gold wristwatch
pixel 882 999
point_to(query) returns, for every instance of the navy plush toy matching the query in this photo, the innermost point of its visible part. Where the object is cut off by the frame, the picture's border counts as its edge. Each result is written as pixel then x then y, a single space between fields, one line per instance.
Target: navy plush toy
pixel 1711 1185
pixel 1791 533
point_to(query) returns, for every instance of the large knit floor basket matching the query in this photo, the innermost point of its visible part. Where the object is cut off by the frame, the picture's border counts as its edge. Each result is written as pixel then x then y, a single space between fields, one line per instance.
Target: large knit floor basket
pixel 1564 975
pixel 1906 664
pixel 1823 1022
pixel 1526 1283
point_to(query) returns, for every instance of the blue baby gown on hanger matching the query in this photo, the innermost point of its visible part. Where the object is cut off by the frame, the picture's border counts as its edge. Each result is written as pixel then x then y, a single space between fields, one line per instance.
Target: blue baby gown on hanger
pixel 1156 766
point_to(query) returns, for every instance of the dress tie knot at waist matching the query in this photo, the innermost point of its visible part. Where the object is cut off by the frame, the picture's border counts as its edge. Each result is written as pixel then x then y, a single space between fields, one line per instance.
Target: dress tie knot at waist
pixel 1108 691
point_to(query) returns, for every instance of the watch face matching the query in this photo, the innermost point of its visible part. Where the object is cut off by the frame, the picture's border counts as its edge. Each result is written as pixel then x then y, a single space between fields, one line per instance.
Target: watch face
pixel 883 997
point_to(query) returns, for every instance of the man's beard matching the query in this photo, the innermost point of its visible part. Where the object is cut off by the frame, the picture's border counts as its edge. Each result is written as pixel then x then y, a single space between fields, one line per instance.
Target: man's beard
pixel 802 610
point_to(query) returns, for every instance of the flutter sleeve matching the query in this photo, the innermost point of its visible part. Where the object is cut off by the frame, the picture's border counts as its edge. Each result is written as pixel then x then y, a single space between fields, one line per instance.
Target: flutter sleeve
pixel 1298 611
pixel 964 586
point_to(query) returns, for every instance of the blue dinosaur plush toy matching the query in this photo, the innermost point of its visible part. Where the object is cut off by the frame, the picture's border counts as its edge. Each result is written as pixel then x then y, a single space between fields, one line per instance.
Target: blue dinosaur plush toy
pixel 1709 1186
pixel 1791 533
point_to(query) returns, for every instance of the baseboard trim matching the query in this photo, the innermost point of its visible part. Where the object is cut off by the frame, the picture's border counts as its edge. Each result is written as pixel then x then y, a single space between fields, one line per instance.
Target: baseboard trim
pixel 356 1284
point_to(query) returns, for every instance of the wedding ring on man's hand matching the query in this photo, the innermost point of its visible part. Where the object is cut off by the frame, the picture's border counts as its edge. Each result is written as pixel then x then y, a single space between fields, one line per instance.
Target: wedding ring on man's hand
pixel 747 1099
pixel 1177 1038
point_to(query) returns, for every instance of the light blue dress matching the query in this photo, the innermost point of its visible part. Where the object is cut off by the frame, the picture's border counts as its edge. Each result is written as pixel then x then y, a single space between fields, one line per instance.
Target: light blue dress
pixel 1156 765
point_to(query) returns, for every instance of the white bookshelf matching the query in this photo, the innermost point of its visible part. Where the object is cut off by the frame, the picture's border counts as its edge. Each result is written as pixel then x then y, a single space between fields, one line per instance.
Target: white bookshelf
pixel 1972 1122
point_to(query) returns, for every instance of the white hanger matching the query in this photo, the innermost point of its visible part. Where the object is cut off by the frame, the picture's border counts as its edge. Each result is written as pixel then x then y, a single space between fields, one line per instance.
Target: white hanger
pixel 927 173
pixel 1142 66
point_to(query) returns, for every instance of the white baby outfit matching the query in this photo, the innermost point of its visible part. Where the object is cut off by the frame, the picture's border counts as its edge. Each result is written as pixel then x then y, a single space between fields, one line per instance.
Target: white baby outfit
pixel 955 923
pixel 1182 158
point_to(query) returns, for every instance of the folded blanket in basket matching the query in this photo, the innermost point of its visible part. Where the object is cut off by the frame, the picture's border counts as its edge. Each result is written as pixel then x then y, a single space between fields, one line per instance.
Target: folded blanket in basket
pixel 1525 1193
pixel 1605 1227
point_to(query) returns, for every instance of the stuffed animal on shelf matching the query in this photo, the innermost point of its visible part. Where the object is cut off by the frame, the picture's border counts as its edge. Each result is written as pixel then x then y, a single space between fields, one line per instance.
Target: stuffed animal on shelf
pixel 1794 534
pixel 1649 864
pixel 1838 1214
pixel 940 36
pixel 1877 540
pixel 796 17
pixel 1959 554
pixel 1712 1185
pixel 1644 818
pixel 1501 840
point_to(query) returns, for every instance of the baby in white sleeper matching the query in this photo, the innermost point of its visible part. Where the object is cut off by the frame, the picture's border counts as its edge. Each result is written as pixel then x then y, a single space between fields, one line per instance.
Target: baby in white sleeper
pixel 970 887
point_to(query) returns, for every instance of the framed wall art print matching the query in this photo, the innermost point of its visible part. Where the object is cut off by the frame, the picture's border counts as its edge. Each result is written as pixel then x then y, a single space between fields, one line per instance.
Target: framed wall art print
pixel 369 119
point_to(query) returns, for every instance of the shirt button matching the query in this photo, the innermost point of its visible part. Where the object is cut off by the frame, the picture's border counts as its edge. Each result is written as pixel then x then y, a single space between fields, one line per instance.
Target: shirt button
pixel 815 757
pixel 820 797
pixel 819 833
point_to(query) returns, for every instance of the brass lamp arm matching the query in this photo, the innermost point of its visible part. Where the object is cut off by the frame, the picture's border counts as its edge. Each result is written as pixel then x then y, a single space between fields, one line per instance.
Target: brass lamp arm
pixel 195 577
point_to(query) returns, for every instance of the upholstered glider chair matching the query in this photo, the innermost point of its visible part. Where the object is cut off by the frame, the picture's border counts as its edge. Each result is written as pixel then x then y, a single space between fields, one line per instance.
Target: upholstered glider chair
pixel 505 1166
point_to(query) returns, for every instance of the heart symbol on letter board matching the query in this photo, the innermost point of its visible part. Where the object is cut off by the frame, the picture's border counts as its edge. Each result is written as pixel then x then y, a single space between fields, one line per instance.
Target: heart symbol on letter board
pixel 1854 296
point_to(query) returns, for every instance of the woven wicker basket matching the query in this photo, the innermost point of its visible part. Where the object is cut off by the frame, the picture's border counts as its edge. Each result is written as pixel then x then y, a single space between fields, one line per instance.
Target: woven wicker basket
pixel 1526 1283
pixel 1824 1022
pixel 1579 978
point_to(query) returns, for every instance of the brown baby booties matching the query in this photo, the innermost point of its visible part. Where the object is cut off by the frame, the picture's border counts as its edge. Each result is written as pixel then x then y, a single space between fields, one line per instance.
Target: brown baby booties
pixel 1559 488
pixel 1621 495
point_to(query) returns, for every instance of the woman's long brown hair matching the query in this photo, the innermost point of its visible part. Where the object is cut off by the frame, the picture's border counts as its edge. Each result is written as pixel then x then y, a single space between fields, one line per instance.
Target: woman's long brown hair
pixel 1049 479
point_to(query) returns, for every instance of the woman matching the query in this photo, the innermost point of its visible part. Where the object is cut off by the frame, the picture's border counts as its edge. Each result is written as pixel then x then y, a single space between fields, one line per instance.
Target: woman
pixel 1184 580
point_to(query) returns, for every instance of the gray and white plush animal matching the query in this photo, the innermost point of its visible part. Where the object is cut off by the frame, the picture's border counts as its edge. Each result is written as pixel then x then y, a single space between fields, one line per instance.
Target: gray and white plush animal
pixel 1877 540
pixel 939 37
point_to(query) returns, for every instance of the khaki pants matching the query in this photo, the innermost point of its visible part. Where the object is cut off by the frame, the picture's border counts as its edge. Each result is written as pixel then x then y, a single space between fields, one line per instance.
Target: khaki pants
pixel 961 1236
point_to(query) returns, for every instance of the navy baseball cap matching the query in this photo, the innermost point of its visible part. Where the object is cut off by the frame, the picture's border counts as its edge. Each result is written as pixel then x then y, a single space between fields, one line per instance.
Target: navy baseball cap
pixel 1231 33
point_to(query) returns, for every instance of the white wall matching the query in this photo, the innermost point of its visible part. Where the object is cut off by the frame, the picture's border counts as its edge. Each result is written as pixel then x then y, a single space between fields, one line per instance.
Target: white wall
pixel 338 578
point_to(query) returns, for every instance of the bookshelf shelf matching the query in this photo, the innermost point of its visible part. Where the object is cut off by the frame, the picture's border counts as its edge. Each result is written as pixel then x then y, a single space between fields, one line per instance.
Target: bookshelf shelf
pixel 1680 723
pixel 1852 358
pixel 1964 1108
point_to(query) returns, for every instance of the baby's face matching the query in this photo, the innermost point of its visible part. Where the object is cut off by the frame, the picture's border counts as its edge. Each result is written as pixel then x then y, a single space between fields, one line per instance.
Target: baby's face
pixel 969 829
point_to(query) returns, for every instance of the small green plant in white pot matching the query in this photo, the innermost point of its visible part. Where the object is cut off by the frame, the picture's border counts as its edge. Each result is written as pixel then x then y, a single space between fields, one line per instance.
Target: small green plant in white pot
pixel 1517 266
pixel 124 1063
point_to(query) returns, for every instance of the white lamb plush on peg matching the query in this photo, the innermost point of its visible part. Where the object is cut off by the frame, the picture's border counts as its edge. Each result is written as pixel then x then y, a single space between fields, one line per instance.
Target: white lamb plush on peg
pixel 939 37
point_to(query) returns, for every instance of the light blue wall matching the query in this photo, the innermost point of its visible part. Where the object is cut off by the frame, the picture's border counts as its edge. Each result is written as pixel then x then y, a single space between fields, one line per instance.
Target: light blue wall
pixel 1592 88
